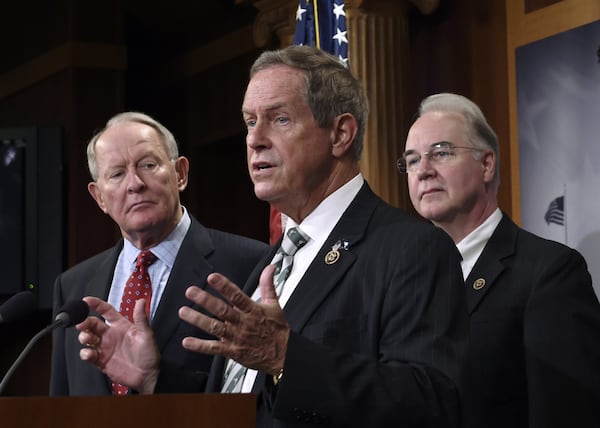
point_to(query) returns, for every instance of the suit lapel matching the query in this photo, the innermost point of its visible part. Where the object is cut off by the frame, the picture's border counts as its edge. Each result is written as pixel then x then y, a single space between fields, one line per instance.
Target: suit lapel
pixel 191 268
pixel 99 284
pixel 490 263
pixel 322 277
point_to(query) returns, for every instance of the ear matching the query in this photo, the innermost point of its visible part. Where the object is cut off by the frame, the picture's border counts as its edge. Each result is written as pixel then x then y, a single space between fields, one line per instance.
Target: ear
pixel 182 168
pixel 344 131
pixel 97 195
pixel 488 163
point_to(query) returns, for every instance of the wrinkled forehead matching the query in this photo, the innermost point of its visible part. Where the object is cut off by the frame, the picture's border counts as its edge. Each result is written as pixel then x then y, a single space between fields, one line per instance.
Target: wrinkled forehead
pixel 275 80
pixel 434 127
pixel 127 140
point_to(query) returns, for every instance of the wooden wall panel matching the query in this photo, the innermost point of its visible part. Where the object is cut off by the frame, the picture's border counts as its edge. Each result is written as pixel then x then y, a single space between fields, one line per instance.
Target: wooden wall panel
pixel 461 48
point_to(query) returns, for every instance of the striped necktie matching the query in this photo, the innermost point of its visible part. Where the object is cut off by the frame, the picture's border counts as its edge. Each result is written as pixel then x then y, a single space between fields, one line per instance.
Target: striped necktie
pixel 293 240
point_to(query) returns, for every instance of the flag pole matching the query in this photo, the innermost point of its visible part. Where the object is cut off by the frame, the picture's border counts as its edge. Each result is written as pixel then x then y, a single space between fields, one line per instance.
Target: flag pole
pixel 565 212
pixel 316 14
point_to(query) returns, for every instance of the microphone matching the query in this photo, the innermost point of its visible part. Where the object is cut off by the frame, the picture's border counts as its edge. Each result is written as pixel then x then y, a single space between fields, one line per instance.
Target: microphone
pixel 19 306
pixel 71 313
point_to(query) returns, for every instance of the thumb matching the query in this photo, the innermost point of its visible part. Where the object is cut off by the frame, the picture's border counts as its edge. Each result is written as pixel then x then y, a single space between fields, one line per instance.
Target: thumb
pixel 267 290
pixel 139 314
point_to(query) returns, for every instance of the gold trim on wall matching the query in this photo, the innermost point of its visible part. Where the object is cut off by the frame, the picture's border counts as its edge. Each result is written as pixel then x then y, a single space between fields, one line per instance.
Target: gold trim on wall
pixel 524 28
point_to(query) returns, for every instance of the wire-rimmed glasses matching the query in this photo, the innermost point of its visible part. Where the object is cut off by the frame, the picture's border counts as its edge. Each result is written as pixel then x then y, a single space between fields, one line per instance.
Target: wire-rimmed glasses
pixel 440 152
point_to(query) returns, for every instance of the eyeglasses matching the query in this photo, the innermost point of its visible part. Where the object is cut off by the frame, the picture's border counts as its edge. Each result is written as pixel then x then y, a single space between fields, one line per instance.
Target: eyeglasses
pixel 438 153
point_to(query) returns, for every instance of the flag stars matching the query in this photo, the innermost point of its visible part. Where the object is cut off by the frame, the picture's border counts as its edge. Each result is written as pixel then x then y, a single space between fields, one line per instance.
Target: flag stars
pixel 331 22
pixel 299 13
pixel 338 10
pixel 340 36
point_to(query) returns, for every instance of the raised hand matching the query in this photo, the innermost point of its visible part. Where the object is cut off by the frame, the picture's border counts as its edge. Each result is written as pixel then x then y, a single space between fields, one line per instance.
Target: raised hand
pixel 251 333
pixel 126 352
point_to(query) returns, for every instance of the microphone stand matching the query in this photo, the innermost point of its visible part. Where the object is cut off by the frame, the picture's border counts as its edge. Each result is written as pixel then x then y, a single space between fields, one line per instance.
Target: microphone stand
pixel 25 352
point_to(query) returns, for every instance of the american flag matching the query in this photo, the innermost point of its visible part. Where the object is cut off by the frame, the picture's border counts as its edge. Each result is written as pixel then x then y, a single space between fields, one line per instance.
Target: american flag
pixel 322 23
pixel 556 212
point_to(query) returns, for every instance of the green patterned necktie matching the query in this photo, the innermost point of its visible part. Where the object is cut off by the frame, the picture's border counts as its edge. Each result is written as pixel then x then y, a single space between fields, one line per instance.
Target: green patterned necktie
pixel 293 240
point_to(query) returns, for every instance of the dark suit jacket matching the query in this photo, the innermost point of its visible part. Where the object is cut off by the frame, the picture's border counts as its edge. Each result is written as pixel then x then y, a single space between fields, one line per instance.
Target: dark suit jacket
pixel 203 251
pixel 534 359
pixel 377 337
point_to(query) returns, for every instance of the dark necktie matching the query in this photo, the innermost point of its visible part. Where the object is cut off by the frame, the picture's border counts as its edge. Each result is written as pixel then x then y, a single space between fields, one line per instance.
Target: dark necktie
pixel 293 240
pixel 138 286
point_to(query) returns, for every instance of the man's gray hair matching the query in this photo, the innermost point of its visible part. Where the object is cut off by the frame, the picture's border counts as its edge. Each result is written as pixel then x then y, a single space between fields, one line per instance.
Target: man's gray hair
pixel 166 137
pixel 331 89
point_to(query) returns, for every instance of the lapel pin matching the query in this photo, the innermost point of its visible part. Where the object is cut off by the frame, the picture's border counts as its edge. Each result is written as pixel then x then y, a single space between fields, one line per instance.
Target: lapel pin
pixel 479 284
pixel 333 255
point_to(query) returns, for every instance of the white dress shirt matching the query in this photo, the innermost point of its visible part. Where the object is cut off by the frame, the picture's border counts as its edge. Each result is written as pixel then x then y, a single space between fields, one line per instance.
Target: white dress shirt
pixel 472 245
pixel 318 226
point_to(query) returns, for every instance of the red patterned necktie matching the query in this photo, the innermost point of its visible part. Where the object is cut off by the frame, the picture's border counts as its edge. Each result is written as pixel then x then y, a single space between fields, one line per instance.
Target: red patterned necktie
pixel 138 286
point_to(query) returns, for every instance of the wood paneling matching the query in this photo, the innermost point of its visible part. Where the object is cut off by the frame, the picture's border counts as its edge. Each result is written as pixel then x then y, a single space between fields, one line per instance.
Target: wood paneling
pixel 533 5
pixel 461 48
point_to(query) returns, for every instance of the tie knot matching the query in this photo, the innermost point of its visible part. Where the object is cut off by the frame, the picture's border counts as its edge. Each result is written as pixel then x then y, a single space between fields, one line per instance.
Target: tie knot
pixel 293 240
pixel 145 258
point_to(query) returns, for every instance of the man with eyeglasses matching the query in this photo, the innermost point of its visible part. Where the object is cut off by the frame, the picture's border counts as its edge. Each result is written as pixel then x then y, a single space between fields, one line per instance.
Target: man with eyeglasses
pixel 534 358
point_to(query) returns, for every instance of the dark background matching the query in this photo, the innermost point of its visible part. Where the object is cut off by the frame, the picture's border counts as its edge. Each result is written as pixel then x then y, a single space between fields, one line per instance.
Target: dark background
pixel 72 64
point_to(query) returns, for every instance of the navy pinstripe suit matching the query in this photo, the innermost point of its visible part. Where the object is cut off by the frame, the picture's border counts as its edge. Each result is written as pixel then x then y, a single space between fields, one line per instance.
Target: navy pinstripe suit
pixel 377 337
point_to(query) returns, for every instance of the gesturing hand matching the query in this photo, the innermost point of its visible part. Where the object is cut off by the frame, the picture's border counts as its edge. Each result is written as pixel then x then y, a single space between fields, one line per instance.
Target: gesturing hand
pixel 125 351
pixel 251 333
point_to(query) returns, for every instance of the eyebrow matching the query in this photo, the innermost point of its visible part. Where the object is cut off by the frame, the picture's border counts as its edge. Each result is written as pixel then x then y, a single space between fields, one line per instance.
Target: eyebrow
pixel 438 143
pixel 268 108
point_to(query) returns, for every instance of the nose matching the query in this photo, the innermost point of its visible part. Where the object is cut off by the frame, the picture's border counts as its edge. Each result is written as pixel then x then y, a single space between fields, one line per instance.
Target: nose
pixel 257 136
pixel 424 168
pixel 134 182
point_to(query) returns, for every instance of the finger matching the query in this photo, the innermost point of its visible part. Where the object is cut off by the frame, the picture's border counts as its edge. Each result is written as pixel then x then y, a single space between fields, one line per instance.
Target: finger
pixel 89 339
pixel 210 347
pixel 94 303
pixel 104 309
pixel 92 324
pixel 210 325
pixel 231 292
pixel 267 289
pixel 87 354
pixel 214 305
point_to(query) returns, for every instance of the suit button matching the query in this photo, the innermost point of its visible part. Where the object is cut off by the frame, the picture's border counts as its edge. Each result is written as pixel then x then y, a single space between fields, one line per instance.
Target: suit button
pixel 315 418
pixel 300 415
pixel 296 413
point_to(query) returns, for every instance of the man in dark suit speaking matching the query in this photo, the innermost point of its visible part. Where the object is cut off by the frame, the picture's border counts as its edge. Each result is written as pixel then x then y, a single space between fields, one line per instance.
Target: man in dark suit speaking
pixel 137 176
pixel 534 358
pixel 362 323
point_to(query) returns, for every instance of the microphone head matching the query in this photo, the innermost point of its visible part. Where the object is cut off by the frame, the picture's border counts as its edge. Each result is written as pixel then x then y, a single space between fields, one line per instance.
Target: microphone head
pixel 18 307
pixel 72 312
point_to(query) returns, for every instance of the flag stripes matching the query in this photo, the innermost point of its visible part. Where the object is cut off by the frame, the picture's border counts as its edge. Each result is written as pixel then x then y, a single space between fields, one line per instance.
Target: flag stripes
pixel 556 212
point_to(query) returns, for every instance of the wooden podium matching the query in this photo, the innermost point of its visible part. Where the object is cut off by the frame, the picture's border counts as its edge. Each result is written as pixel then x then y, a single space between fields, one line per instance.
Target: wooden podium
pixel 147 411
